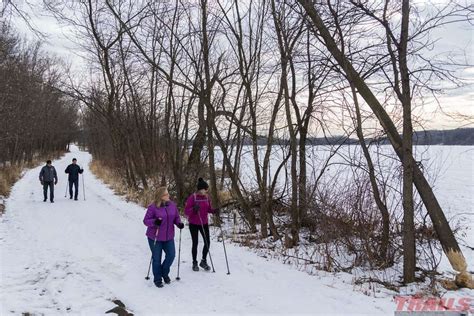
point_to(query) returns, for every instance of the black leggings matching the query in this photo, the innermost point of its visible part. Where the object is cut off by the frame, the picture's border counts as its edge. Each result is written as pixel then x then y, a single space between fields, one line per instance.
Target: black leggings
pixel 194 235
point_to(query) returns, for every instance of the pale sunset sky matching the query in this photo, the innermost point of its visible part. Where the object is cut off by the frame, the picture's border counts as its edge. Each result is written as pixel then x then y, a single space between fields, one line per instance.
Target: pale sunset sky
pixel 453 37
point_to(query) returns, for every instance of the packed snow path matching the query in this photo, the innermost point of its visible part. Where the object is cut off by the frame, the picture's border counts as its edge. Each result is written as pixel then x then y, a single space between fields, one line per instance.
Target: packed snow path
pixel 75 256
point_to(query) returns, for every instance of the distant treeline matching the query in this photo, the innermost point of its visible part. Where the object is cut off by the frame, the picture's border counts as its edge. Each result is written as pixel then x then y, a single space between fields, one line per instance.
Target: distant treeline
pixel 459 136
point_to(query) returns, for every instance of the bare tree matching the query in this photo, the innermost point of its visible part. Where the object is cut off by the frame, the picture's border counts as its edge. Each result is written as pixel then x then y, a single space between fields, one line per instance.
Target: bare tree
pixel 36 119
pixel 446 236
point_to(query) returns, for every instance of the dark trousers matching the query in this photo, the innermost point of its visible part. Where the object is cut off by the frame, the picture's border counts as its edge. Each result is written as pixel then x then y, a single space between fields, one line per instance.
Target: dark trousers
pixel 51 190
pixel 161 269
pixel 194 229
pixel 76 190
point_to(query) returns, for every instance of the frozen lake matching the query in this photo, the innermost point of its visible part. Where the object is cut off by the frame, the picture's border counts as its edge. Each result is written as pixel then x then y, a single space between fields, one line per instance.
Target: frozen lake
pixel 449 169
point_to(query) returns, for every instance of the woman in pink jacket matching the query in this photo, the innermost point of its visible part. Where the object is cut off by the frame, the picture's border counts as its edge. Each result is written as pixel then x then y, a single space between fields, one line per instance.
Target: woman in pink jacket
pixel 198 206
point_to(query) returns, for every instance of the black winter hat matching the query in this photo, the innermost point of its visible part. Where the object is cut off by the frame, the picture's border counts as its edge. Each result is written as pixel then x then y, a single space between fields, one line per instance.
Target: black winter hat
pixel 202 185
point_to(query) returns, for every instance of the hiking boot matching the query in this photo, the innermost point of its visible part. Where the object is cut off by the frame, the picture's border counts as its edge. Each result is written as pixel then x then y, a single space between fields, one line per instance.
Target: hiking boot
pixel 44 200
pixel 195 266
pixel 70 197
pixel 159 284
pixel 204 265
pixel 167 279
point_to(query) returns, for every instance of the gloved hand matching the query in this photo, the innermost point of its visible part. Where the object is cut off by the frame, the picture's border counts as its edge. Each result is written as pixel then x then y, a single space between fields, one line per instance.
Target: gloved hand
pixel 158 221
pixel 196 208
pixel 180 225
pixel 81 171
pixel 42 183
pixel 56 182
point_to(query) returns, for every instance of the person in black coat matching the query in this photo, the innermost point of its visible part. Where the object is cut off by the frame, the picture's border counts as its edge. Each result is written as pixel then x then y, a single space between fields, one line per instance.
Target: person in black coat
pixel 48 178
pixel 73 170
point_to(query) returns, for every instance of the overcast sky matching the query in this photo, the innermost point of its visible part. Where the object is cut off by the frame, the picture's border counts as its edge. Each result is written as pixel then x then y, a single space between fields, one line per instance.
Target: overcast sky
pixel 60 41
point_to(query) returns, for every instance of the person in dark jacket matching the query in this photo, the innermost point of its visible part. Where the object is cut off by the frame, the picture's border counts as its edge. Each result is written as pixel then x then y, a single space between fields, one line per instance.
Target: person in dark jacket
pixel 198 206
pixel 48 178
pixel 74 170
pixel 160 218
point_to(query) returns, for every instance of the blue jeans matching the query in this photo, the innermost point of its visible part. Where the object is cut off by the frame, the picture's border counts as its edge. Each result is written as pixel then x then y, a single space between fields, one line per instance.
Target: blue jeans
pixel 49 185
pixel 76 184
pixel 161 269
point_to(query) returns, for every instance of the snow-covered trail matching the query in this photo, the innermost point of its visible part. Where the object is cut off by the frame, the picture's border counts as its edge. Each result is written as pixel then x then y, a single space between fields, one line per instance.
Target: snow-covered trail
pixel 75 256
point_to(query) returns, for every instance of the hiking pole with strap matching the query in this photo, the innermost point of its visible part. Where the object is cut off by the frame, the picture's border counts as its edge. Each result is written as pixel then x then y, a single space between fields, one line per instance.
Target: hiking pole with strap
pixel 179 254
pixel 205 241
pixel 83 188
pixel 151 259
pixel 225 252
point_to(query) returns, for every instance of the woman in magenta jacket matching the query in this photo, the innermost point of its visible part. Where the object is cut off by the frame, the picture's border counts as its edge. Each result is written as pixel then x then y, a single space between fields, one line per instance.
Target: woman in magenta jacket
pixel 198 206
pixel 160 218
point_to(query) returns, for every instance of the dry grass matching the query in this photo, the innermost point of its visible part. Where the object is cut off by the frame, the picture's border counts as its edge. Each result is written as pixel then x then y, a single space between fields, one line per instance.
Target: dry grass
pixel 11 173
pixel 116 183
pixel 225 197
pixel 8 176
pixel 108 176
pixel 143 197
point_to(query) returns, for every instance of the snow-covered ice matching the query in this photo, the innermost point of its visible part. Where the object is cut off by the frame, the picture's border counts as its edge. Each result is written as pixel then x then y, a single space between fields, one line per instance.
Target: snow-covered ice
pixel 76 256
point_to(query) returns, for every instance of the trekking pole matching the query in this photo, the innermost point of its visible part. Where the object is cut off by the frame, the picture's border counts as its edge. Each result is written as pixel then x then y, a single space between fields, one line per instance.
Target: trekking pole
pixel 205 242
pixel 179 254
pixel 151 259
pixel 65 193
pixel 225 252
pixel 83 188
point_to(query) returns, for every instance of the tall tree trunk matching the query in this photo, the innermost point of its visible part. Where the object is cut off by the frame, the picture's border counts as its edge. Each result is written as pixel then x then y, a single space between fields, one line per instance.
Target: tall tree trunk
pixel 409 260
pixel 294 212
pixel 206 91
pixel 199 141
